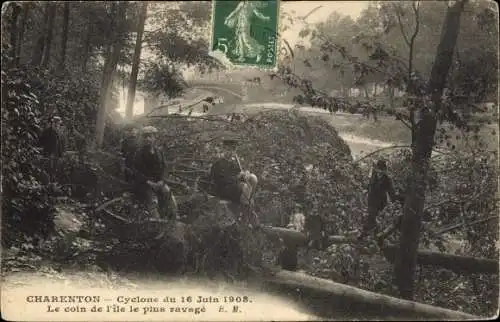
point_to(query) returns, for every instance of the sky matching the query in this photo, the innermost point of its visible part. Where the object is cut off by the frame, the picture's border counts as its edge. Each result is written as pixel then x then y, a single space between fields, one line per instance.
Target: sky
pixel 294 8
pixel 352 8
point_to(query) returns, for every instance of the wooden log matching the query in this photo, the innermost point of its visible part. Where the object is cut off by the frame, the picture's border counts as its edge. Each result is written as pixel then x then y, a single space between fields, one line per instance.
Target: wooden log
pixel 340 240
pixel 290 236
pixel 299 239
pixel 328 299
pixel 456 263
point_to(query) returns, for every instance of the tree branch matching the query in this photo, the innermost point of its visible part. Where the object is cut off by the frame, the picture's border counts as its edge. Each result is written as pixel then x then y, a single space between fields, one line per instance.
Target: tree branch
pixel 192 117
pixel 382 149
pixel 409 124
pixel 411 45
pixel 398 14
pixel 416 7
pixel 472 223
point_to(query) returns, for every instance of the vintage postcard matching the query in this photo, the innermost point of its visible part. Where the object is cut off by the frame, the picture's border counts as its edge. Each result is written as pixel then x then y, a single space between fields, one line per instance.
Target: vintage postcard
pixel 249 160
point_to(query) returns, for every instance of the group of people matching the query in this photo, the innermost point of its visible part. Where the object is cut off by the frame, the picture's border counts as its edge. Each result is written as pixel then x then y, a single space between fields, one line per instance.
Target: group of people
pixel 145 168
pixel 380 191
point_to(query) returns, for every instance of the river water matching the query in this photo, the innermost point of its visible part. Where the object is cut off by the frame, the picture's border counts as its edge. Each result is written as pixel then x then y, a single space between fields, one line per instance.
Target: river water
pixel 361 146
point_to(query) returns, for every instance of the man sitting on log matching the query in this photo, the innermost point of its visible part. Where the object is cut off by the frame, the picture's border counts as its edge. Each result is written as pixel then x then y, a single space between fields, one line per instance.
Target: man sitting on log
pixel 221 227
pixel 231 183
pixel 380 187
pixel 148 168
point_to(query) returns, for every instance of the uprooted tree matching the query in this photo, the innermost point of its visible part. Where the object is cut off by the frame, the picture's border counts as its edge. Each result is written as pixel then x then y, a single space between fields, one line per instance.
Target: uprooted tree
pixel 359 56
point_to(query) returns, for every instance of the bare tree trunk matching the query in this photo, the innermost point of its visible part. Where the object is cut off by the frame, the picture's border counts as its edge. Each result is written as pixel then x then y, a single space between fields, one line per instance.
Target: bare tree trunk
pixel 22 26
pixel 365 89
pixel 331 300
pixel 390 92
pixel 64 40
pixel 36 57
pixel 12 29
pixel 86 45
pixel 49 31
pixel 422 148
pixel 112 57
pixel 129 111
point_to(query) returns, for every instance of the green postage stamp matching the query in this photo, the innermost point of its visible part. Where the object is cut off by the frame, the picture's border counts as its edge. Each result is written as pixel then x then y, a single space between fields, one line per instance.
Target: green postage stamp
pixel 245 33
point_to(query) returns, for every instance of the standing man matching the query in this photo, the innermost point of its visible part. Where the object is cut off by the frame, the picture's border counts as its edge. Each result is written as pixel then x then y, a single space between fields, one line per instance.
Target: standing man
pixel 52 143
pixel 315 231
pixel 288 256
pixel 297 219
pixel 379 189
pixel 129 146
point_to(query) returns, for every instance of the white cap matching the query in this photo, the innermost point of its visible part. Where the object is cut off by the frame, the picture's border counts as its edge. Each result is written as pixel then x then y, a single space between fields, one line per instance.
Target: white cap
pixel 149 129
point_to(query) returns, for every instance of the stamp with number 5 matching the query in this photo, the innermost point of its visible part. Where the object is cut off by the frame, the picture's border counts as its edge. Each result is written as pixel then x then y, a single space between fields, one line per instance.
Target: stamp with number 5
pixel 244 33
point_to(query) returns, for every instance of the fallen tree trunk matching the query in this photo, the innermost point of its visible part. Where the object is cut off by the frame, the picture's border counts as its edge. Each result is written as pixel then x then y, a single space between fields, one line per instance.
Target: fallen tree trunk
pixel 456 263
pixel 299 239
pixel 328 299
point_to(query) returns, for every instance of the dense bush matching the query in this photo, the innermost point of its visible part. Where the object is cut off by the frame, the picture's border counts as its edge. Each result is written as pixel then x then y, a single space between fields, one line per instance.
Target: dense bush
pixel 30 97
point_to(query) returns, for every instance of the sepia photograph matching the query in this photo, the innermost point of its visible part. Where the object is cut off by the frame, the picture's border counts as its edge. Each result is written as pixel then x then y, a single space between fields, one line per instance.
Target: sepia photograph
pixel 245 160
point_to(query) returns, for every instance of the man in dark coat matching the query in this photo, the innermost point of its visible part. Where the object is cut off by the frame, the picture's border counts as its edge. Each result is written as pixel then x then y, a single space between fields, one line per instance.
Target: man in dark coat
pixel 129 146
pixel 148 165
pixel 224 174
pixel 51 140
pixel 315 231
pixel 52 143
pixel 379 189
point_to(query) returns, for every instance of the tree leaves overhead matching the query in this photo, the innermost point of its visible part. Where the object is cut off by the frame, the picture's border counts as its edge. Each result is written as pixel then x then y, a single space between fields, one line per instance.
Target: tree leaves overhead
pixel 375 49
pixel 178 39
pixel 304 33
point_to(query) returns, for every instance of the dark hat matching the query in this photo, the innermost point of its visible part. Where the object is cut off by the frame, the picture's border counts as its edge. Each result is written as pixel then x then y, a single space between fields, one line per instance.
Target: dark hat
pixel 149 130
pixel 230 140
pixel 381 164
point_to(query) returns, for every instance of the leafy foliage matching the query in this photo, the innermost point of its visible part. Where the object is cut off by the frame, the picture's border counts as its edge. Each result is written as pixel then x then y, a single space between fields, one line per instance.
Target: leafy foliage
pixel 23 192
pixel 375 50
pixel 177 41
pixel 394 45
pixel 163 79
